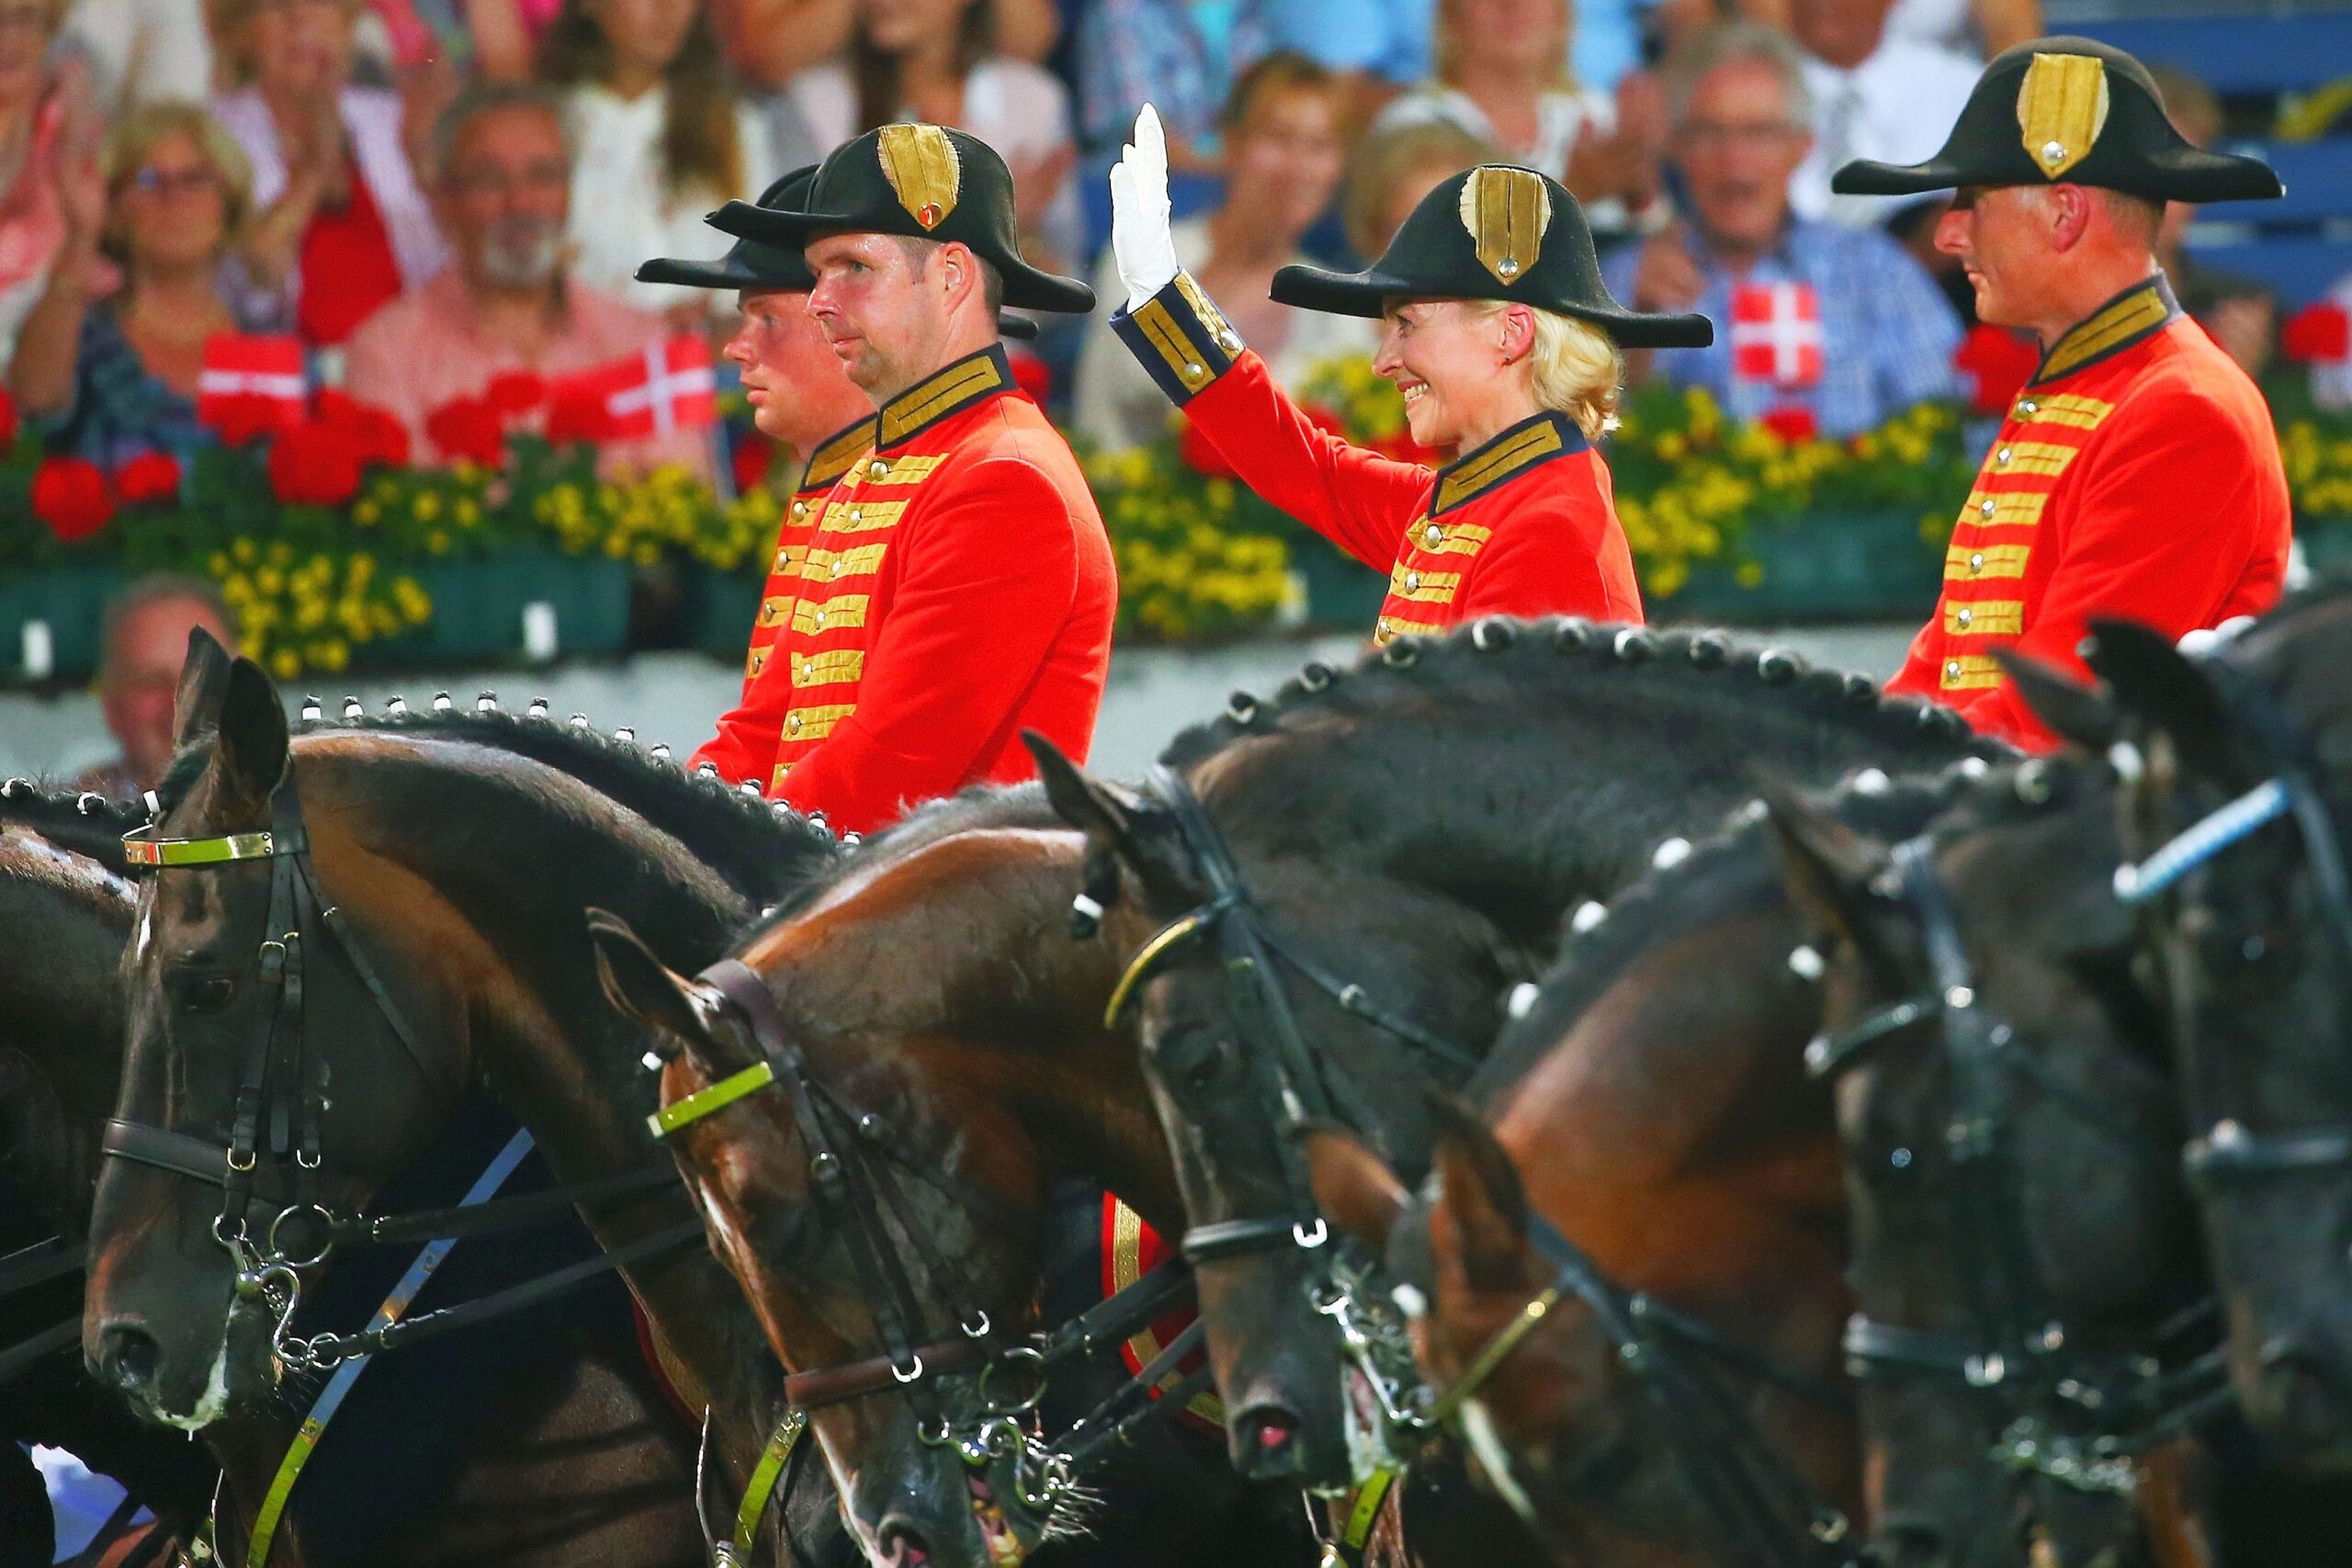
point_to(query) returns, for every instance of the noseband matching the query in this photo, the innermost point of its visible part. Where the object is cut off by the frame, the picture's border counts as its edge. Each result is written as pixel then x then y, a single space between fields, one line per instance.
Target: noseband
pixel 2229 1154
pixel 2074 1418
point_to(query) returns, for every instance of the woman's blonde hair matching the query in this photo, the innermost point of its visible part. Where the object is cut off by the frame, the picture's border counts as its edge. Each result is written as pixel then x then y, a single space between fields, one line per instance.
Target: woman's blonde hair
pixel 1446 48
pixel 226 20
pixel 135 139
pixel 1577 369
pixel 1385 158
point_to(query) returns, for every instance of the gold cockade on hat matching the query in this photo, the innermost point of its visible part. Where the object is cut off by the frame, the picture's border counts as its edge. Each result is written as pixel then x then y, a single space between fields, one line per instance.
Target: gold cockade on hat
pixel 1506 210
pixel 2062 107
pixel 924 169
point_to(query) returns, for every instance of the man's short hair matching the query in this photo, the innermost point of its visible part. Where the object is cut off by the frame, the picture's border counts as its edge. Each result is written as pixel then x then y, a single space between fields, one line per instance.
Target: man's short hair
pixel 919 251
pixel 2139 216
pixel 1282 70
pixel 1729 43
pixel 494 97
pixel 157 588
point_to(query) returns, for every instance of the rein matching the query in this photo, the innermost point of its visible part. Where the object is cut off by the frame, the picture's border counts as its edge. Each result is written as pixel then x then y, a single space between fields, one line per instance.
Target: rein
pixel 1750 1491
pixel 2073 1418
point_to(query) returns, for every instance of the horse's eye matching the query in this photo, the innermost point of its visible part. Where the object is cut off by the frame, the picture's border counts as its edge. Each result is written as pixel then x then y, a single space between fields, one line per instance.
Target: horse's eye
pixel 1205 1070
pixel 208 994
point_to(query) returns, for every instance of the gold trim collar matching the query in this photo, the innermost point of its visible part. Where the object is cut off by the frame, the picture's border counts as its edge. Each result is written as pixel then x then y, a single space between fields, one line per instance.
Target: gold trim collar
pixel 2138 313
pixel 969 380
pixel 836 455
pixel 1547 435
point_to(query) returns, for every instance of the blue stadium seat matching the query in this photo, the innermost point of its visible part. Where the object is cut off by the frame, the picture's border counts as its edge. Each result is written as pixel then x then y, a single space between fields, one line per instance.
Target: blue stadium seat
pixel 2298 268
pixel 2318 178
pixel 2242 53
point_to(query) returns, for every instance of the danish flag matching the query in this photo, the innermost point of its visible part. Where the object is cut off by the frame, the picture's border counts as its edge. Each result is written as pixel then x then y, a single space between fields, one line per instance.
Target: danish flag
pixel 668 388
pixel 245 374
pixel 1776 334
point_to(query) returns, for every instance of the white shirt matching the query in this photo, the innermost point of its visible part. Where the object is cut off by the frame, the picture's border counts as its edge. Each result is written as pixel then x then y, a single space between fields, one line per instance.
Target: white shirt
pixel 623 211
pixel 1015 107
pixel 1941 23
pixel 1897 107
pixel 141 52
pixel 1114 401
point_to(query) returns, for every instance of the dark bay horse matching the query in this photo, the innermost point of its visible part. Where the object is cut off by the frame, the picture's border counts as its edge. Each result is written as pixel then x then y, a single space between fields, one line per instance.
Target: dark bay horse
pixel 2250 745
pixel 2026 1260
pixel 1369 862
pixel 458 866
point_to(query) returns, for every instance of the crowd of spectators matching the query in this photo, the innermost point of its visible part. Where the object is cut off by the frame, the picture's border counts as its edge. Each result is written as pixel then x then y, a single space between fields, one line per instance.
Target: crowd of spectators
pixel 445 201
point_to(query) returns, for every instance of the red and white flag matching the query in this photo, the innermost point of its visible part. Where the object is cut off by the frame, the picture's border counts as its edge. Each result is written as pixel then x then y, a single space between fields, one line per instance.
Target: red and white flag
pixel 249 379
pixel 668 388
pixel 1776 334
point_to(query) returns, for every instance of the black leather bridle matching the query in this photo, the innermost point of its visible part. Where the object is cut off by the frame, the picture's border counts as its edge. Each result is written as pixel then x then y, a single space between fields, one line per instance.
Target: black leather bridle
pixel 2229 1153
pixel 2061 1411
pixel 1748 1489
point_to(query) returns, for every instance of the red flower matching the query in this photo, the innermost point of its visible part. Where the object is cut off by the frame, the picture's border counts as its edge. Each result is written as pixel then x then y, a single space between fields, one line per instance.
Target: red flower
pixel 516 391
pixel 577 416
pixel 1997 363
pixel 150 476
pixel 751 458
pixel 315 465
pixel 1792 422
pixel 7 418
pixel 243 417
pixel 381 437
pixel 1201 454
pixel 468 429
pixel 2318 334
pixel 70 496
pixel 1032 375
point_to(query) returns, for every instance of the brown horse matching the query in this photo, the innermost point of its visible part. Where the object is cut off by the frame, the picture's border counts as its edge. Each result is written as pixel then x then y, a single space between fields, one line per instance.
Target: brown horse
pixel 458 866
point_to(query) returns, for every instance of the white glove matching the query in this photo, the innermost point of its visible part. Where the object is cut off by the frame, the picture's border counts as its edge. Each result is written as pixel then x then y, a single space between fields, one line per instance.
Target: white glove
pixel 1140 242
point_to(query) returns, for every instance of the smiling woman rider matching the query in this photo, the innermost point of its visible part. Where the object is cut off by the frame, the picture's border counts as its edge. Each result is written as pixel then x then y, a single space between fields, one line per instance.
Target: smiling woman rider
pixel 1507 348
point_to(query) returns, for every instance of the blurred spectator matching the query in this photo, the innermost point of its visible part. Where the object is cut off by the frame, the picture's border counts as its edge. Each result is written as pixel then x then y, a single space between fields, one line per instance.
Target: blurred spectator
pixel 1177 56
pixel 1837 323
pixel 1378 47
pixel 2239 313
pixel 504 310
pixel 1283 155
pixel 1393 169
pixel 141 52
pixel 1981 29
pixel 1503 75
pixel 143 646
pixel 771 41
pixel 1874 95
pixel 44 123
pixel 937 61
pixel 342 225
pixel 652 106
pixel 117 375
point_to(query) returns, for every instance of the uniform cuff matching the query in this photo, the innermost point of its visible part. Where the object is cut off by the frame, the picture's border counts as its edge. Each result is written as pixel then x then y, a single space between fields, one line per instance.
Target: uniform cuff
pixel 1181 337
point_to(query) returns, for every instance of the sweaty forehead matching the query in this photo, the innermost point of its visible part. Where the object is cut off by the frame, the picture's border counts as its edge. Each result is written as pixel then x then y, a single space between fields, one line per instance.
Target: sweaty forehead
pixel 830 249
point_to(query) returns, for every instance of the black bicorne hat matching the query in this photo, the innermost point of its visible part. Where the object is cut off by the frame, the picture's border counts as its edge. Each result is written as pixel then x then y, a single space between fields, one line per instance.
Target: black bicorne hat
pixel 925 181
pixel 755 263
pixel 1496 231
pixel 2071 109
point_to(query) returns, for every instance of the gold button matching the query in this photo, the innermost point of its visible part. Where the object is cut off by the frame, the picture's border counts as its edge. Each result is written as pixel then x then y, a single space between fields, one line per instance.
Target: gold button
pixel 2027 405
pixel 820 617
pixel 837 569
pixel 878 469
pixel 1434 534
pixel 2002 456
pixel 799 509
pixel 1966 616
pixel 857 515
pixel 1412 581
pixel 792 721
pixel 809 666
pixel 1196 370
pixel 1988 508
pixel 1382 628
pixel 1952 667
pixel 1975 563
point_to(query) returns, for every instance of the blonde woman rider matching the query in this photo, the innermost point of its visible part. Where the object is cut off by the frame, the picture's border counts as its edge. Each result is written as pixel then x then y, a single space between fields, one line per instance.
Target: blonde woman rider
pixel 1506 347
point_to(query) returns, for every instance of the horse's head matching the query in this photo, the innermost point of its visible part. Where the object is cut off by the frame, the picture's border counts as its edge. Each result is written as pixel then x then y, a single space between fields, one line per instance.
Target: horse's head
pixel 2251 922
pixel 2020 1232
pixel 884 1228
pixel 1305 994
pixel 265 1088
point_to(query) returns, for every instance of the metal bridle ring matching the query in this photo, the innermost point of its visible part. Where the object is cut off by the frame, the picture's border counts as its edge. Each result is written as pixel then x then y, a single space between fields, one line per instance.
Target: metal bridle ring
pixel 326 1246
pixel 907 1375
pixel 1308 1240
pixel 1027 1358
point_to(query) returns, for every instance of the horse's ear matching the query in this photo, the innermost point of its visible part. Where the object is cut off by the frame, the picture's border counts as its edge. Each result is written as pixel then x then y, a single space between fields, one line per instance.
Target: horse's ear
pixel 204 679
pixel 1826 866
pixel 1120 828
pixel 1483 1201
pixel 643 987
pixel 2073 711
pixel 251 756
pixel 1353 1188
pixel 2155 681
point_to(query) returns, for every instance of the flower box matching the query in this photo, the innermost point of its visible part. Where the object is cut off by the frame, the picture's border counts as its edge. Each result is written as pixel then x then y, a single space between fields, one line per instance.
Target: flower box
pixel 720 609
pixel 1825 566
pixel 52 620
pixel 524 603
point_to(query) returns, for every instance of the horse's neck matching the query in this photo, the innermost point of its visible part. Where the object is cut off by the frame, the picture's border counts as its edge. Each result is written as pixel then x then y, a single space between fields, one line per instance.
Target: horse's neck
pixel 65 1019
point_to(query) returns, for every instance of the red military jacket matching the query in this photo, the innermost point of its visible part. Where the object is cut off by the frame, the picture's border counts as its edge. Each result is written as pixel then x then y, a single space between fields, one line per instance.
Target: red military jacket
pixel 833 458
pixel 1524 525
pixel 955 588
pixel 2136 478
